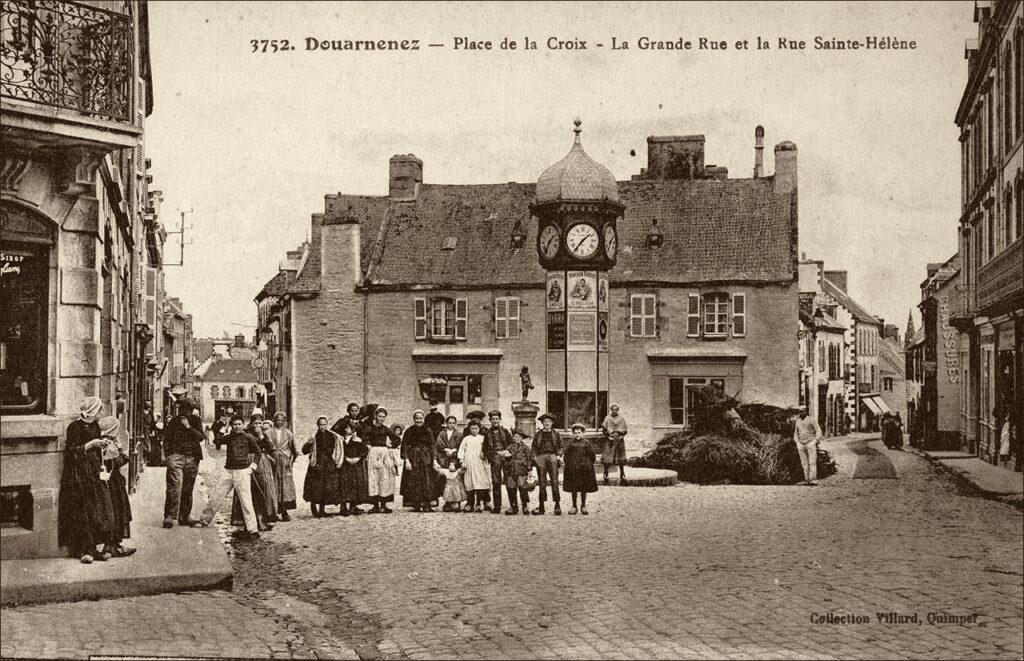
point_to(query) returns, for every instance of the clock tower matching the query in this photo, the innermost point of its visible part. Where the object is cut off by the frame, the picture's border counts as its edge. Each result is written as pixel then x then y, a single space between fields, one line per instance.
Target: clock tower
pixel 577 208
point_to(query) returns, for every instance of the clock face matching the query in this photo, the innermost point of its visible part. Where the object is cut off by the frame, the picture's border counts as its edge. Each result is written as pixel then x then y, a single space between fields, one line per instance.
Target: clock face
pixel 611 242
pixel 549 241
pixel 582 240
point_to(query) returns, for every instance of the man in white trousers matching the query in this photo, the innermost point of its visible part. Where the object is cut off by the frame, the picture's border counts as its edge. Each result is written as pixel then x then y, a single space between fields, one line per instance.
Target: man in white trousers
pixel 240 448
pixel 806 434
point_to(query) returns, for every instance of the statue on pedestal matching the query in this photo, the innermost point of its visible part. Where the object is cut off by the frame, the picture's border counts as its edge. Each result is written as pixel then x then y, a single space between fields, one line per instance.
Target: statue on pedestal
pixel 524 376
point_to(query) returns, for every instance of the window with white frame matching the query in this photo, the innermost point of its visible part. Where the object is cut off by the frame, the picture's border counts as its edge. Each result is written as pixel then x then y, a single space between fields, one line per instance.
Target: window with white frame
pixel 716 314
pixel 506 317
pixel 214 392
pixel 643 315
pixel 440 318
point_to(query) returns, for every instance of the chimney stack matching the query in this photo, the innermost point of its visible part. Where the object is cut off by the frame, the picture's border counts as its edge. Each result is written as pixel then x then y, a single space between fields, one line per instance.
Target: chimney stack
pixel 405 175
pixel 675 157
pixel 758 152
pixel 785 167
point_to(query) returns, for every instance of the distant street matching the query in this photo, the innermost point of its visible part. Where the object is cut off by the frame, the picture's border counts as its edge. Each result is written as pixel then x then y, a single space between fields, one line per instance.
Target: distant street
pixel 677 572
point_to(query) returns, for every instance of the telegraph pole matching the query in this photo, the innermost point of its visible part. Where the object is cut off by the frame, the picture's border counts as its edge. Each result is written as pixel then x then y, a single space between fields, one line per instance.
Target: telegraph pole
pixel 182 228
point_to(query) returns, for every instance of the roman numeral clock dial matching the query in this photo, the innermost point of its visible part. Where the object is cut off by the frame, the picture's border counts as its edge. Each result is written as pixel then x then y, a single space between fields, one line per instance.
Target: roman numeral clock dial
pixel 582 240
pixel 549 241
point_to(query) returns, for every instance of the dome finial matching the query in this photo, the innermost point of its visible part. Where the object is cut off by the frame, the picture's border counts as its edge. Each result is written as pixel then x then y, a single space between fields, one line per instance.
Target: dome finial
pixel 577 123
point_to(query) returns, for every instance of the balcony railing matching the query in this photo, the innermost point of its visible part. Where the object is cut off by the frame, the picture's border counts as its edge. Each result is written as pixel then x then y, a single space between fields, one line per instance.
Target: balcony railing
pixel 1002 277
pixel 67 55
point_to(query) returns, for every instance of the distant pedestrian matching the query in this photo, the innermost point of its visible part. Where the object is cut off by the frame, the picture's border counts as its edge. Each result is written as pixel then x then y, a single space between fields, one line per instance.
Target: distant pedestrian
pixel 473 453
pixel 547 456
pixel 353 487
pixel 183 443
pixel 454 492
pixel 114 458
pixel 382 469
pixel 85 512
pixel 806 434
pixel 418 459
pixel 325 450
pixel 286 451
pixel 579 478
pixel 239 449
pixel 518 466
pixel 498 440
pixel 897 423
pixel 614 452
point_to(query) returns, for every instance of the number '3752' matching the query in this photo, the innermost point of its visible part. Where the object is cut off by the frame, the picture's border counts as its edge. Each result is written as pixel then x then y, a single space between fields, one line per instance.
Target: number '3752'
pixel 270 45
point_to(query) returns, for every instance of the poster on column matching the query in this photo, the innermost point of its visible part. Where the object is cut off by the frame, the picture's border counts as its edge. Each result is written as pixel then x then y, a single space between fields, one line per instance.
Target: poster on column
pixel 602 292
pixel 582 331
pixel 602 331
pixel 556 291
pixel 582 290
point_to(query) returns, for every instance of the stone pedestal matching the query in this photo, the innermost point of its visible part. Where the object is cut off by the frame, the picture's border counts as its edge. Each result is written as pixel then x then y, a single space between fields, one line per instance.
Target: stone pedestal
pixel 526 416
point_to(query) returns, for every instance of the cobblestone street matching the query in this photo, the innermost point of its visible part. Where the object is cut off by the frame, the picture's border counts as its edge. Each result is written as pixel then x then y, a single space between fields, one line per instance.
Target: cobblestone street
pixel 677 572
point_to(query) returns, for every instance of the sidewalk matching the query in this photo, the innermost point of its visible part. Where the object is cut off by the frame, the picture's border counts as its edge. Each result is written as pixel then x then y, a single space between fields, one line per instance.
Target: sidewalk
pixel 991 481
pixel 167 560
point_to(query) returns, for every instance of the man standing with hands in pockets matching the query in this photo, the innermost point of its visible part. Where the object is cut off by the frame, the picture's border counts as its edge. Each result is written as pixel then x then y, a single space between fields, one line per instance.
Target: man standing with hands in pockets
pixel 806 434
pixel 239 452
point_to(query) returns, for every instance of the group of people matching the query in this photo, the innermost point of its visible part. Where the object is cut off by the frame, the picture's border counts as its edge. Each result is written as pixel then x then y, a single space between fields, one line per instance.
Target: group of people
pixel 353 462
pixel 892 431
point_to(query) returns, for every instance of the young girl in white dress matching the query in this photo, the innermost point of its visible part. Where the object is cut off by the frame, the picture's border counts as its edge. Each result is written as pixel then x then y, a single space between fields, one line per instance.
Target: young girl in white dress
pixel 477 477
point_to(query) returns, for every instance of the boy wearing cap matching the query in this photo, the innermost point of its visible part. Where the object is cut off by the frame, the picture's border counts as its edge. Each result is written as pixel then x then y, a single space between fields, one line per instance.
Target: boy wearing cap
pixel 498 440
pixel 547 453
pixel 518 464
pixel 238 462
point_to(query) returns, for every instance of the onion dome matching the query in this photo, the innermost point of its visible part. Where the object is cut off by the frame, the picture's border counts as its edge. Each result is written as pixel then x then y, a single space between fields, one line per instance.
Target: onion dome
pixel 577 177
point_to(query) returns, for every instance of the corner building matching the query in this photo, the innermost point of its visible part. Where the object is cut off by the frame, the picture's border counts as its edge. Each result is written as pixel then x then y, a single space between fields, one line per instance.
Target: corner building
pixel 439 289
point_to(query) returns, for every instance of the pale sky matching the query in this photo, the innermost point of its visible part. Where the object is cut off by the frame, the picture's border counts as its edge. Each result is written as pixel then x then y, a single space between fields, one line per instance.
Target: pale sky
pixel 253 142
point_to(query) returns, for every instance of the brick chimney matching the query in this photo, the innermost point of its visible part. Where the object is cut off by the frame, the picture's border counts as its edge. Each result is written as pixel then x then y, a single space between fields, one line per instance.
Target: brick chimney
pixel 785 167
pixel 675 157
pixel 838 278
pixel 405 175
pixel 758 152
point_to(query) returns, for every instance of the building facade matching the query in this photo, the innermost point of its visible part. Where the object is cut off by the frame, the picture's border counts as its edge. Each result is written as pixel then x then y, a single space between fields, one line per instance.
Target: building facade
pixel 437 291
pixel 228 386
pixel 990 307
pixel 80 242
pixel 941 373
pixel 822 373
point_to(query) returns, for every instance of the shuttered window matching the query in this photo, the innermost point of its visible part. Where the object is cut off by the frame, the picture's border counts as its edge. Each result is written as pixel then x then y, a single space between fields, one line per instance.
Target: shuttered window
pixel 693 315
pixel 461 312
pixel 739 315
pixel 643 315
pixel 506 317
pixel 420 324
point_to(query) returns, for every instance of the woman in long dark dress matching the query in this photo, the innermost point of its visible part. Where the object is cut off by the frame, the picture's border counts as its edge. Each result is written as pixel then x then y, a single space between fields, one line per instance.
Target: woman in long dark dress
pixel 325 452
pixel 85 512
pixel 353 486
pixel 579 477
pixel 114 458
pixel 418 480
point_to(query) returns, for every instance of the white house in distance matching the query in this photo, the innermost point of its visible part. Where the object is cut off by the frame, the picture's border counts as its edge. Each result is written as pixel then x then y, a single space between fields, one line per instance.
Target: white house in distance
pixel 228 386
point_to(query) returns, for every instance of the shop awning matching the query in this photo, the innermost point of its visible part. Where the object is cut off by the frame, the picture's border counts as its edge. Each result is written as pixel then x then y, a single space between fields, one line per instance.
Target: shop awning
pixel 882 405
pixel 872 405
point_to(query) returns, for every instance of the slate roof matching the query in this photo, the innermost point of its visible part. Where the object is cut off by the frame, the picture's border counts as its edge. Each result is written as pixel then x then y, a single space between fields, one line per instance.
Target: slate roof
pixel 233 370
pixel 734 230
pixel 858 312
pixel 276 286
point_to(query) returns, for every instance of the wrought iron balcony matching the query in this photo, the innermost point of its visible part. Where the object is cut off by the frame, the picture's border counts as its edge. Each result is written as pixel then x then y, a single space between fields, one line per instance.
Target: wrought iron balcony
pixel 962 307
pixel 68 55
pixel 1001 280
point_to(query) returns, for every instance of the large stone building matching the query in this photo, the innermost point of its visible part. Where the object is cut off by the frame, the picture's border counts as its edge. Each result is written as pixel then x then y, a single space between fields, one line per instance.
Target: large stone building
pixel 990 309
pixel 81 244
pixel 438 289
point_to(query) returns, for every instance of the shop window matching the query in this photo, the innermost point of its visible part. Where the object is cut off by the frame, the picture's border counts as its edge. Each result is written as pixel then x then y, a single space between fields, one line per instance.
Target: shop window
pixel 506 317
pixel 643 315
pixel 681 395
pixel 24 299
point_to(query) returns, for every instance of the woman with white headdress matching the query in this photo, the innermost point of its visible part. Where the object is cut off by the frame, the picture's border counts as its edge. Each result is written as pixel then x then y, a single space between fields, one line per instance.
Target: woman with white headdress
pixel 85 513
pixel 114 458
